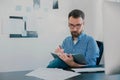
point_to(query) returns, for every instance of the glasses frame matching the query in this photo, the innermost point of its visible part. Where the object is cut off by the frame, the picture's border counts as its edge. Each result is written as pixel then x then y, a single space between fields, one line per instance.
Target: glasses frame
pixel 72 26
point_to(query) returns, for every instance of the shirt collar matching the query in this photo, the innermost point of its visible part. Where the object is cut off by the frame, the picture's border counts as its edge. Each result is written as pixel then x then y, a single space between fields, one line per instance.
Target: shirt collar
pixel 80 36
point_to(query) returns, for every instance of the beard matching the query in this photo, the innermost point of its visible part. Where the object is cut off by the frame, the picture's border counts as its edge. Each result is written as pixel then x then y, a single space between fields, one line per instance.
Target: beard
pixel 75 34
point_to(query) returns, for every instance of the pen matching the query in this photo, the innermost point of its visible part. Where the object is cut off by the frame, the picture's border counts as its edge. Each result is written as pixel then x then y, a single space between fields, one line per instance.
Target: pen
pixel 60 46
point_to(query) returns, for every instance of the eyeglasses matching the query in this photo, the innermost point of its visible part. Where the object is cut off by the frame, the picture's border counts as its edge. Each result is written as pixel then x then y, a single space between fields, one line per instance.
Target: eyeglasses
pixel 72 26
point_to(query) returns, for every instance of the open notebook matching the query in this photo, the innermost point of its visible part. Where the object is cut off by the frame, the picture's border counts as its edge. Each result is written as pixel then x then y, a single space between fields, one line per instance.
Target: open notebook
pixel 78 58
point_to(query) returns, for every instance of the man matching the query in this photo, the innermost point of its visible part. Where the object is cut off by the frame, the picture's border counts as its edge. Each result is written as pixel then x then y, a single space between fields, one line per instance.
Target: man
pixel 78 42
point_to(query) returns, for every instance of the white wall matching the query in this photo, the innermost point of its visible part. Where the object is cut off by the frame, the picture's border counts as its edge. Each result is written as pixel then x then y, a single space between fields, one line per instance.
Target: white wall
pixel 111 23
pixel 51 25
pixel 93 12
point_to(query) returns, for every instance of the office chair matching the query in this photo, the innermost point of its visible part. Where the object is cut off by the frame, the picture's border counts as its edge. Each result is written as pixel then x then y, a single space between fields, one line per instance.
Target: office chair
pixel 101 48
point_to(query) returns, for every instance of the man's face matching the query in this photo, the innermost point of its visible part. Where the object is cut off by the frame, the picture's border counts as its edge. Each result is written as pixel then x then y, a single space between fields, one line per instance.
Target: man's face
pixel 76 26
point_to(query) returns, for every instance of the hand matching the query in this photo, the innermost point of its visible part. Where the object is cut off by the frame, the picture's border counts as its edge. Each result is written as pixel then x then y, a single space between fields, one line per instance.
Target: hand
pixel 59 50
pixel 67 58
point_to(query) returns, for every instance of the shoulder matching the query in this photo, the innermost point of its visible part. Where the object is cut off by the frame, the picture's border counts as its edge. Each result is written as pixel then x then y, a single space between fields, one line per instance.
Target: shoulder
pixel 68 38
pixel 89 37
pixel 92 42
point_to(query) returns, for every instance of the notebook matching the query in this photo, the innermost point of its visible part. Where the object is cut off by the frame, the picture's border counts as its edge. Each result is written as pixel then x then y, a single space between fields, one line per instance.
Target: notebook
pixel 78 58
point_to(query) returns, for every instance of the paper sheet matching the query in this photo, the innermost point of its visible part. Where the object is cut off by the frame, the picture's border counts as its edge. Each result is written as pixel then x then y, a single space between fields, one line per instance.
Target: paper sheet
pixel 52 74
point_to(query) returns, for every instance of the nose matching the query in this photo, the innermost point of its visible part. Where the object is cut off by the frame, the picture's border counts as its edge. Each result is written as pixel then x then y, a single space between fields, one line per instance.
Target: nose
pixel 74 29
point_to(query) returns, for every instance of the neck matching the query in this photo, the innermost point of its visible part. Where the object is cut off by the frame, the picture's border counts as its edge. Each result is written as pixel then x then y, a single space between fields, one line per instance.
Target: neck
pixel 75 38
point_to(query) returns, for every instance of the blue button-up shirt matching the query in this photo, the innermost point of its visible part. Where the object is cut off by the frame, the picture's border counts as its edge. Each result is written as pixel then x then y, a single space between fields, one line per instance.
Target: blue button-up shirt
pixel 85 45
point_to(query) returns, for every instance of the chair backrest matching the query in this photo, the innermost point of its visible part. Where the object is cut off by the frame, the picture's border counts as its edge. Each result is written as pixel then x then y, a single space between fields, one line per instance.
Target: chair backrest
pixel 101 48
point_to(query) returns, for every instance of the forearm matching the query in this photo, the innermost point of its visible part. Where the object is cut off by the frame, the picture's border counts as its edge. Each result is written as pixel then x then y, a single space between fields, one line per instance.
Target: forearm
pixel 75 65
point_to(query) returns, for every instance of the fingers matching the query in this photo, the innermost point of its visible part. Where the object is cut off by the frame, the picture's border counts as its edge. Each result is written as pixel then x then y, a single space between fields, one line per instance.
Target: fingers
pixel 59 50
pixel 66 58
pixel 60 46
pixel 70 56
pixel 63 56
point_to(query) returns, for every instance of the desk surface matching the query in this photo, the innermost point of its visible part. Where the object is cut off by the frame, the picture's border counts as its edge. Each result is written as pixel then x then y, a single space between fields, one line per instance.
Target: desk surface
pixel 20 75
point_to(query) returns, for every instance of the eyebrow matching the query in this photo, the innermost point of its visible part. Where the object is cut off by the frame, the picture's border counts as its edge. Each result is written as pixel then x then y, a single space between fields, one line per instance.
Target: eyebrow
pixel 74 24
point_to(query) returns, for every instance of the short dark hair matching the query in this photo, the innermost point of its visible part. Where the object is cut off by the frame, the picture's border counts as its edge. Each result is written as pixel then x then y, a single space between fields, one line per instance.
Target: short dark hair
pixel 76 14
